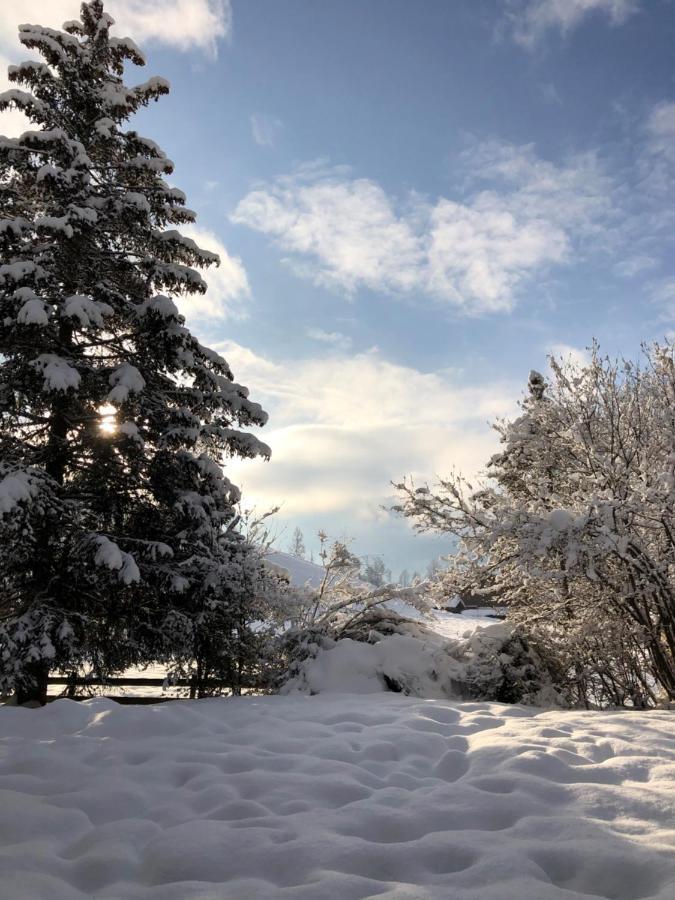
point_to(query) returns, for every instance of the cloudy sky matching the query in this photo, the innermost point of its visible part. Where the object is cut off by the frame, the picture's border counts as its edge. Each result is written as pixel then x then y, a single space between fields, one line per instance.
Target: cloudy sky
pixel 414 204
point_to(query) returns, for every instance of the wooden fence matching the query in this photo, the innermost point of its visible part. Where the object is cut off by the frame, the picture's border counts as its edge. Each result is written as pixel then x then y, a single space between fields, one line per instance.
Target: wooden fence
pixel 73 687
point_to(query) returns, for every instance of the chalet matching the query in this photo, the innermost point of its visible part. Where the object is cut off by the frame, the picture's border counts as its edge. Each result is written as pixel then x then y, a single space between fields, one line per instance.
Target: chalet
pixel 456 605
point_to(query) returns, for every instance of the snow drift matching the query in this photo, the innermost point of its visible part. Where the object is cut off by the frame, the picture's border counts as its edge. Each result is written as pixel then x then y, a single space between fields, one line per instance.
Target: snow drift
pixel 382 651
pixel 334 797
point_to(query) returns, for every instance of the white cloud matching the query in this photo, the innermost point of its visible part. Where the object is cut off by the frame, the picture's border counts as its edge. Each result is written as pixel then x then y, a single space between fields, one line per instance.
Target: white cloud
pixel 177 23
pixel 655 171
pixel 529 20
pixel 478 255
pixel 228 284
pixel 474 254
pixel 346 229
pixel 182 24
pixel 568 353
pixel 342 428
pixel 265 129
pixel 334 338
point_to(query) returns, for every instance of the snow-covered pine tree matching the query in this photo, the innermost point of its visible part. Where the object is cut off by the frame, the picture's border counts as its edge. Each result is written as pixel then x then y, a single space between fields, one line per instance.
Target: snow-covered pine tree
pixel 221 631
pixel 110 410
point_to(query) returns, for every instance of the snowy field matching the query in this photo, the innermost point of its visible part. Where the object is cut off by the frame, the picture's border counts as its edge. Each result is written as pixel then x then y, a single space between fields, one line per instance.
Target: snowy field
pixel 335 797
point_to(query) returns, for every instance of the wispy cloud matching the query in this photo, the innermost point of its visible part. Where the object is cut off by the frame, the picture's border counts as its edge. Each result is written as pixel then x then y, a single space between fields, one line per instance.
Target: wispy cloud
pixel 345 230
pixel 661 130
pixel 342 428
pixel 336 339
pixel 656 170
pixel 530 20
pixel 265 129
pixel 662 293
pixel 183 24
pixel 635 265
pixel 517 215
pixel 550 93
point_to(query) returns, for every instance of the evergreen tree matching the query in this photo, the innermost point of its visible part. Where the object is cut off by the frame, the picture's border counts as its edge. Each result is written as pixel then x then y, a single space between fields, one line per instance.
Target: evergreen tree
pixel 297 547
pixel 114 419
pixel 375 571
pixel 220 632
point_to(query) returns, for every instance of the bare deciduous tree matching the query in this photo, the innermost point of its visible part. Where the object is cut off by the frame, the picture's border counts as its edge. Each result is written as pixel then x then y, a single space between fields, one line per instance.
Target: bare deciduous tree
pixel 574 523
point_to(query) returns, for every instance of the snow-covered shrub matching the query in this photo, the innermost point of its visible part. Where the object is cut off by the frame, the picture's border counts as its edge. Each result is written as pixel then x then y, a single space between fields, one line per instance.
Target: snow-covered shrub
pixel 343 597
pixel 340 604
pixel 574 525
pixel 503 665
pixel 383 651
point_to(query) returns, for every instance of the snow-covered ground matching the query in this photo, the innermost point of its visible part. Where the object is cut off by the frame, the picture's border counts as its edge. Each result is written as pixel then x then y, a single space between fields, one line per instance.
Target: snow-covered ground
pixel 335 797
pixel 458 625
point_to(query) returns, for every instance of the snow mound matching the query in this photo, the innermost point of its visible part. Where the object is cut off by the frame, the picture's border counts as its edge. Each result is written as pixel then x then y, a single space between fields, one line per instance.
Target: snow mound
pixel 335 797
pixel 383 652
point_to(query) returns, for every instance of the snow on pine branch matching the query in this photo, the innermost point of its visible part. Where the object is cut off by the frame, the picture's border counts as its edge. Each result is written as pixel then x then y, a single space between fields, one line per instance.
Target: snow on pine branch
pixel 59 376
pixel 18 487
pixel 125 380
pixel 109 555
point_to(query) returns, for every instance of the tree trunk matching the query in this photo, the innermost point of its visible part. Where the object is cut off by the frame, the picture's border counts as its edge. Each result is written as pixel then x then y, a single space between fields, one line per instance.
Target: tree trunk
pixel 34 691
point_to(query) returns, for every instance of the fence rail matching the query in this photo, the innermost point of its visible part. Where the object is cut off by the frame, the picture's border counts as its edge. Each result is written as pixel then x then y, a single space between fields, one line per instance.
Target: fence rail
pixel 72 684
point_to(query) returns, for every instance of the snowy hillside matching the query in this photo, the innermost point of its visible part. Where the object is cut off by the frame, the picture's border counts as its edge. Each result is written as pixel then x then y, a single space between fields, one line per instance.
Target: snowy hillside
pixel 334 798
pixel 301 572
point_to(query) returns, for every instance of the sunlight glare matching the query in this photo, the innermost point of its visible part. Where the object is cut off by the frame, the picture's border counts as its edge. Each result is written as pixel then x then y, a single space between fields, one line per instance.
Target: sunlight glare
pixel 108 423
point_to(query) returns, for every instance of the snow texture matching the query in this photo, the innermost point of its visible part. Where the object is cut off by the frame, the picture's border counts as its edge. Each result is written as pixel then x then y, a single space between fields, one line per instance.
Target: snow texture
pixel 161 306
pixel 335 797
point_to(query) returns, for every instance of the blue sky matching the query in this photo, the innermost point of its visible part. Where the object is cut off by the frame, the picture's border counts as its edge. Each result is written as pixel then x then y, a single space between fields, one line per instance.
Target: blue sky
pixel 414 203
